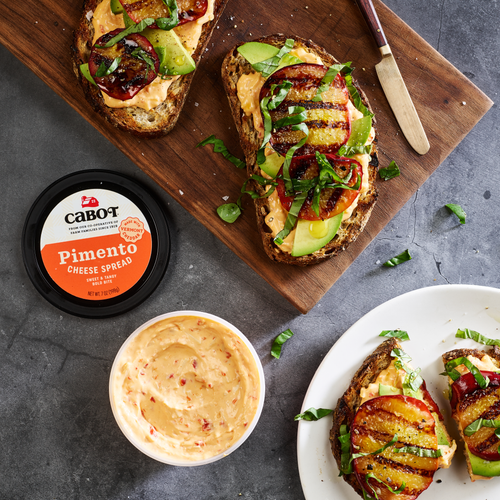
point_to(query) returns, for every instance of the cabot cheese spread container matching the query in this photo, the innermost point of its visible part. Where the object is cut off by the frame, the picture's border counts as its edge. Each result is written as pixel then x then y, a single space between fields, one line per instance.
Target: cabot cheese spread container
pixel 96 243
pixel 187 388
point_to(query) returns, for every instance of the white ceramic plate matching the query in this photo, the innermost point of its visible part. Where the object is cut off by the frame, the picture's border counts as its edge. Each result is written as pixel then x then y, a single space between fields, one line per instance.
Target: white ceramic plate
pixel 431 316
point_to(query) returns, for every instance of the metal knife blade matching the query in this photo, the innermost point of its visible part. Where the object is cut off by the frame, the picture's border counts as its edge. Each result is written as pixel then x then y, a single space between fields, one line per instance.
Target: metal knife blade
pixel 393 84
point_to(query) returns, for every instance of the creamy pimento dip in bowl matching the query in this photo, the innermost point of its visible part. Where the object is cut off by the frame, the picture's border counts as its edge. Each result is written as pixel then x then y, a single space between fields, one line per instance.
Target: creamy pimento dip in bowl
pixel 187 388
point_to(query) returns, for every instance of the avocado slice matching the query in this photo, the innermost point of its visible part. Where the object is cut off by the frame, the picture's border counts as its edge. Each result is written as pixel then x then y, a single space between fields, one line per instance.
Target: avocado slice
pixel 440 431
pixel 388 390
pixel 174 58
pixel 306 243
pixel 272 164
pixel 255 52
pixel 482 467
pixel 116 7
pixel 360 131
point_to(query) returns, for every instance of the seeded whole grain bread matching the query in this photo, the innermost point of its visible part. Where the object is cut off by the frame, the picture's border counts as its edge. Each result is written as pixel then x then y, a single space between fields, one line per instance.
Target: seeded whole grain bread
pixel 158 121
pixel 347 405
pixel 234 66
pixel 494 354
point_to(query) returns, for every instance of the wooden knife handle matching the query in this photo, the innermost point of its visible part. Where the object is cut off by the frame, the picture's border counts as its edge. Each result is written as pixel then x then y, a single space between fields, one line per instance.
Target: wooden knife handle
pixel 368 10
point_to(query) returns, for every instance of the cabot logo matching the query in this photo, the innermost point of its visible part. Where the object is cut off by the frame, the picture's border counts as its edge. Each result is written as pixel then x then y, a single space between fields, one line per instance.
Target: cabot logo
pixel 89 201
pixel 90 215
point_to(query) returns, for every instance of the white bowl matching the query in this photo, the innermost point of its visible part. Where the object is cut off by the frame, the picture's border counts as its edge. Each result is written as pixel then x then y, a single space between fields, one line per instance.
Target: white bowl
pixel 141 444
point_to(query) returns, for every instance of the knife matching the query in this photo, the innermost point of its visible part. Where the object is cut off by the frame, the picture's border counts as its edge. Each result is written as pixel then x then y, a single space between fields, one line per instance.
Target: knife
pixel 393 85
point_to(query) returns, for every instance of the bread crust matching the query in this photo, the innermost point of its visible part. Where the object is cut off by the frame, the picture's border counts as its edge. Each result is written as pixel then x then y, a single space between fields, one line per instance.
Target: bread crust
pixel 234 66
pixel 158 121
pixel 348 404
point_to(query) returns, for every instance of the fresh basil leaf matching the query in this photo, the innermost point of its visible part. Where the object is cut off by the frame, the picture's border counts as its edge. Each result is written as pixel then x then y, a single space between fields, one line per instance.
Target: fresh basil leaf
pixel 472 334
pixel 349 151
pixel 291 217
pixel 136 28
pixel 296 114
pixel 399 259
pixel 271 65
pixel 358 101
pixel 220 148
pixel 376 452
pixel 398 334
pixel 327 80
pixel 419 452
pixel 279 341
pixel 458 211
pixel 229 212
pixel 313 414
pixel 389 172
pixel 103 70
pixel 455 374
pixel 167 23
pixel 84 68
pixel 400 355
pixel 481 422
pixel 395 492
pixel 345 450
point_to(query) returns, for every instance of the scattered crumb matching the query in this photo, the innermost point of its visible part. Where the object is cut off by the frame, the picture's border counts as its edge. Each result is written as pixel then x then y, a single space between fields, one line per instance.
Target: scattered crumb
pixel 181 192
pixel 463 103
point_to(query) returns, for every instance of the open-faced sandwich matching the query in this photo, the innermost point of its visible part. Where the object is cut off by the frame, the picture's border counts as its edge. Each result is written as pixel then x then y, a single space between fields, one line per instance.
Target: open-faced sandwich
pixel 307 132
pixel 388 436
pixel 474 378
pixel 136 59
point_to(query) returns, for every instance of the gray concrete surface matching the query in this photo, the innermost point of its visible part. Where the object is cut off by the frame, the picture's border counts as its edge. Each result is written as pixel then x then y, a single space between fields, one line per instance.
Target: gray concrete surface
pixel 57 434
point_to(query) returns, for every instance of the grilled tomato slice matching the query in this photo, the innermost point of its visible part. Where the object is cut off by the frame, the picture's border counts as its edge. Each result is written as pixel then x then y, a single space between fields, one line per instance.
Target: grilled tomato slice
pixel 473 403
pixel 375 424
pixel 189 10
pixel 332 201
pixel 138 64
pixel 328 120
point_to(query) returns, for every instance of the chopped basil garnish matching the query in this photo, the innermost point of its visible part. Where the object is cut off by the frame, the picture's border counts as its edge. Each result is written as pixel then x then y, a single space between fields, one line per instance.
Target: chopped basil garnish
pixel 395 492
pixel 419 452
pixel 167 23
pixel 313 414
pixel 345 450
pixel 348 151
pixel 279 341
pixel 481 422
pixel 229 212
pixel 398 334
pixel 471 334
pixel 296 114
pixel 358 102
pixel 220 148
pixel 330 75
pixel 136 28
pixel 376 452
pixel 270 65
pixel 455 374
pixel 389 172
pixel 400 355
pixel 458 211
pixel 292 216
pixel 103 70
pixel 144 56
pixel 272 101
pixel 399 259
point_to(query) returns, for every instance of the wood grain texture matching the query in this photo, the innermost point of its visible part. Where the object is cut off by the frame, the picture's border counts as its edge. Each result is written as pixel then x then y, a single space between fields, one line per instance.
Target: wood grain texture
pixel 199 179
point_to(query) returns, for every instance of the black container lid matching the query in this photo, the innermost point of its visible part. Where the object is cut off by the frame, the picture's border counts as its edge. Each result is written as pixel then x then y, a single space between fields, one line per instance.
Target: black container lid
pixel 96 243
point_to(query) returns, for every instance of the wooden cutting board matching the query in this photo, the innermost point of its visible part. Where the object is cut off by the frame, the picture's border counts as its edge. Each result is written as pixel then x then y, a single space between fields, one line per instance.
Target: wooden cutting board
pixel 39 33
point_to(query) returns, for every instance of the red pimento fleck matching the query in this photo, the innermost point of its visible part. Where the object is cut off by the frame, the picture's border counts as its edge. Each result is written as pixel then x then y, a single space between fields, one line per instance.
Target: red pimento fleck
pixel 146 365
pixel 234 401
pixel 171 376
pixel 206 426
pixel 183 381
pixel 228 355
pixel 210 386
pixel 153 399
pixel 245 424
pixel 195 364
pixel 223 374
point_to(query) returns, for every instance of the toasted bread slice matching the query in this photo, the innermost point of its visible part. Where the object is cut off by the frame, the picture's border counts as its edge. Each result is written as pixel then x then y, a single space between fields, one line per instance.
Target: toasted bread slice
pixel 346 414
pixel 233 67
pixel 481 403
pixel 161 119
